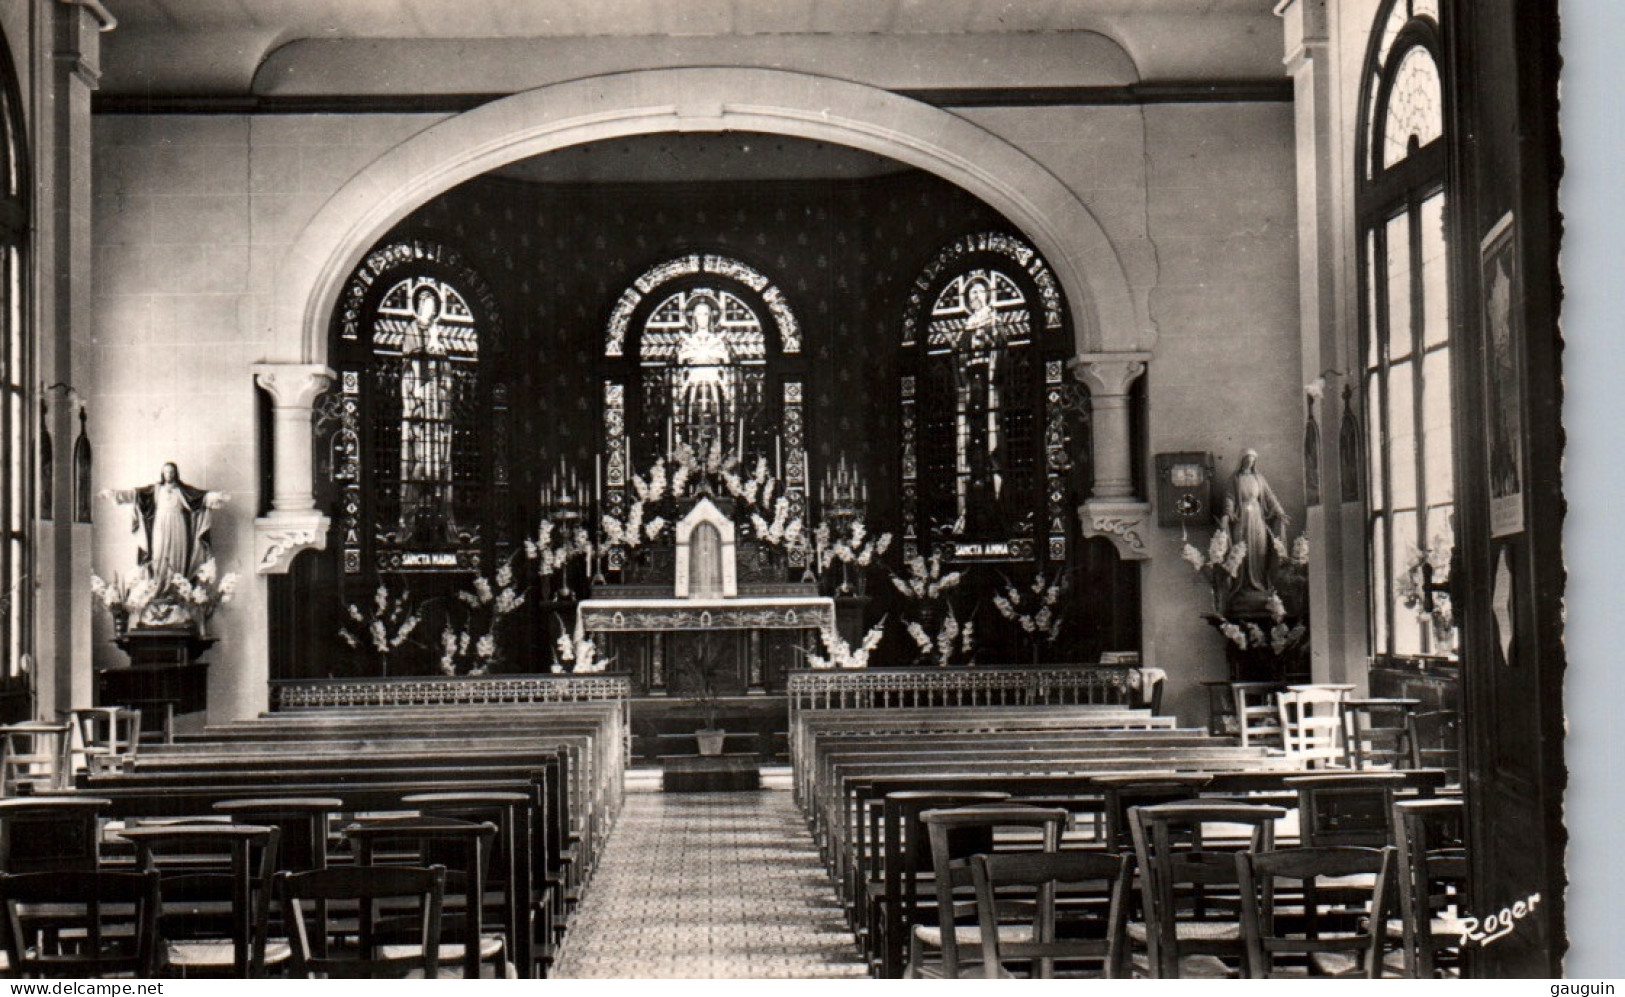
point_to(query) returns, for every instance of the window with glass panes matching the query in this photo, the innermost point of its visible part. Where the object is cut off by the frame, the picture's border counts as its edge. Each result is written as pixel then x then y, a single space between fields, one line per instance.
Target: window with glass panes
pixel 1410 481
pixel 16 491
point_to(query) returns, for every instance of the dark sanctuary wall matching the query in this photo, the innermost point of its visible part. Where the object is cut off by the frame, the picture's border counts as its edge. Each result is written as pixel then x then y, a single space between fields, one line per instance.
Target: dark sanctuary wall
pixel 555 257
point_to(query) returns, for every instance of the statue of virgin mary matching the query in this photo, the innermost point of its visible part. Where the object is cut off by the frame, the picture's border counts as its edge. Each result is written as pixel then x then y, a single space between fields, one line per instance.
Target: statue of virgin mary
pixel 1253 516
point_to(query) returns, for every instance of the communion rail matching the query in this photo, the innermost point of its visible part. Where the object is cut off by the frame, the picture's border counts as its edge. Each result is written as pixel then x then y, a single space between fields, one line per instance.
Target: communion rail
pixel 449 690
pixel 913 688
pixel 288 695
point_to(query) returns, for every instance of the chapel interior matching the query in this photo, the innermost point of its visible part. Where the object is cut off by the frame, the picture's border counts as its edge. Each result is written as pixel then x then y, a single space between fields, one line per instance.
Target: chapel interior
pixel 707 489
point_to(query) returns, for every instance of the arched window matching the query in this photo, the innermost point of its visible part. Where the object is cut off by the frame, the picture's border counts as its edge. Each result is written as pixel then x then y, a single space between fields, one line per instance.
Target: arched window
pixel 703 351
pixel 409 452
pixel 1402 205
pixel 986 445
pixel 16 359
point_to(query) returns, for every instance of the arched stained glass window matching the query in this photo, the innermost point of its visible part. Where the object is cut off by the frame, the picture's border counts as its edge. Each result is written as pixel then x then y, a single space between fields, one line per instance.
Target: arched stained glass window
pixel 702 351
pixel 425 338
pixel 410 452
pixel 975 319
pixel 1403 210
pixel 986 438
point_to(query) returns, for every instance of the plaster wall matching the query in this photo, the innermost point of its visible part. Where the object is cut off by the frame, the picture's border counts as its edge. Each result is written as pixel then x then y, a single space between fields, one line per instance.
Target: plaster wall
pixel 191 216
pixel 1199 203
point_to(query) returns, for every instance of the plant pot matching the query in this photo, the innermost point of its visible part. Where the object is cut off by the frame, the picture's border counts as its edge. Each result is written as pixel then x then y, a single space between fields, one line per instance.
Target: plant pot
pixel 710 742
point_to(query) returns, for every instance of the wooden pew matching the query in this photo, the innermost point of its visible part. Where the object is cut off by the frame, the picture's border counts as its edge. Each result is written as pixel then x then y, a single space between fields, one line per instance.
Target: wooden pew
pixel 596 789
pixel 568 764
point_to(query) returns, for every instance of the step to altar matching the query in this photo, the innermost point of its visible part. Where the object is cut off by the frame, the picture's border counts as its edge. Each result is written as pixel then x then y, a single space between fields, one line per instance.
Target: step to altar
pixel 666 726
pixel 731 773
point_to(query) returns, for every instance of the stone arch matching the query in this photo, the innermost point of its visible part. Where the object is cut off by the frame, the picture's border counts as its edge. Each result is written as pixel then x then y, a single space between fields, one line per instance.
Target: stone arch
pixel 311 275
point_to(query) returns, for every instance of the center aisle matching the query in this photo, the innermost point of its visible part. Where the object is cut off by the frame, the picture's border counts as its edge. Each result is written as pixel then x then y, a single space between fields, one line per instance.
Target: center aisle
pixel 709 885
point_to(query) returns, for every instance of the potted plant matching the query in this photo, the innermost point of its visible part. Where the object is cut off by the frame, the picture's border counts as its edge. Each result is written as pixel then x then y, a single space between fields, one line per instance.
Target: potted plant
pixel 699 674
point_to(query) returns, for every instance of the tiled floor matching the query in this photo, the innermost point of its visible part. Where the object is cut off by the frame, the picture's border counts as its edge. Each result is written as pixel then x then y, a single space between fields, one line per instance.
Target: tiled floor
pixel 709 885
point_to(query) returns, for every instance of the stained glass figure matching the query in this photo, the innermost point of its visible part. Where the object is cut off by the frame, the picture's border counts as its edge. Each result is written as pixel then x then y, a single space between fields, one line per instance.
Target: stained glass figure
pixel 975 317
pixel 704 337
pixel 429 328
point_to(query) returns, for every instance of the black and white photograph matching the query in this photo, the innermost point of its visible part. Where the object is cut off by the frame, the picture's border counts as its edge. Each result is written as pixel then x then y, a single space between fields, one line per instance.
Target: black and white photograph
pixel 796 489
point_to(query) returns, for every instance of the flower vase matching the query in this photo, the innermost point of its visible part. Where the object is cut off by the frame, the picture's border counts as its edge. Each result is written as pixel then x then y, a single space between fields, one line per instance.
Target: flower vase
pixel 121 622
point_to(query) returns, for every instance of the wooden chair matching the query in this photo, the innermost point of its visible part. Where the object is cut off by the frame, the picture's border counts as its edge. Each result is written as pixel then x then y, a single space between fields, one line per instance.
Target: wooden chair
pixel 216 882
pixel 509 871
pixel 51 833
pixel 1185 868
pixel 1435 739
pixel 349 950
pixel 464 848
pixel 903 855
pixel 1312 725
pixel 102 738
pixel 81 924
pixel 33 758
pixel 1346 808
pixel 955 836
pixel 1433 876
pixel 1027 931
pixel 1313 937
pixel 1377 733
pixel 1120 794
pixel 303 822
pixel 1257 719
pixel 155 719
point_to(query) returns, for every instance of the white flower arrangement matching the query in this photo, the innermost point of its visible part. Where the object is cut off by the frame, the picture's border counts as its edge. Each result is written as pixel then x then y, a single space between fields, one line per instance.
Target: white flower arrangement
pixel 839 654
pixel 1220 565
pixel 856 547
pixel 554 549
pixel 145 601
pixel 389 623
pixel 951 640
pixel 1431 605
pixel 925 581
pixel 575 652
pixel 1035 609
pixel 472 648
pixel 681 474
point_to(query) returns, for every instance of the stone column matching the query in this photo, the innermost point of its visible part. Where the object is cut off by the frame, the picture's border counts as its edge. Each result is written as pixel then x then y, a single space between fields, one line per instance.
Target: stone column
pixel 294 522
pixel 70 37
pixel 1112 510
pixel 1337 567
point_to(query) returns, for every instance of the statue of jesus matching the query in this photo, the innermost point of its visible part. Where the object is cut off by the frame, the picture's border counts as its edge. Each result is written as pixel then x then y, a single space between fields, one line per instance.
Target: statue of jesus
pixel 172 521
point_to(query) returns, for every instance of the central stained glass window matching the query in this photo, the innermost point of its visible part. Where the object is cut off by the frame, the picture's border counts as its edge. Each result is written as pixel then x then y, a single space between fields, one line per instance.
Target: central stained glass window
pixel 704 338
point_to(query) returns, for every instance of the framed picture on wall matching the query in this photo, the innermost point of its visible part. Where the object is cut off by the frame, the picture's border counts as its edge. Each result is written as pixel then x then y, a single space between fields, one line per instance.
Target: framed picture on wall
pixel 1502 288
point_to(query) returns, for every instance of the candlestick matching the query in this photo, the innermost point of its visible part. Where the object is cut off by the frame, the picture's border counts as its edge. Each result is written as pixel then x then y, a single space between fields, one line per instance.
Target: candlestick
pixel 778 455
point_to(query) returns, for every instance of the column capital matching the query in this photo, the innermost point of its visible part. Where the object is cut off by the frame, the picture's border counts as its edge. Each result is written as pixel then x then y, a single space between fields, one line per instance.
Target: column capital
pixel 281 535
pixel 105 21
pixel 292 385
pixel 1108 373
pixel 1125 523
pixel 1305 30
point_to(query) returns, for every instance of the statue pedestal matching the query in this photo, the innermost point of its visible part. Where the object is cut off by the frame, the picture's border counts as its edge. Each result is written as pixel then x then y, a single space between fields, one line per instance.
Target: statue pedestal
pixel 164 676
pixel 157 646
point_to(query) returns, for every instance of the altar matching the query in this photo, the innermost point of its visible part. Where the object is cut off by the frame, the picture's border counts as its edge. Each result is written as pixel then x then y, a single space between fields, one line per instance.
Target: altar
pixel 767 635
